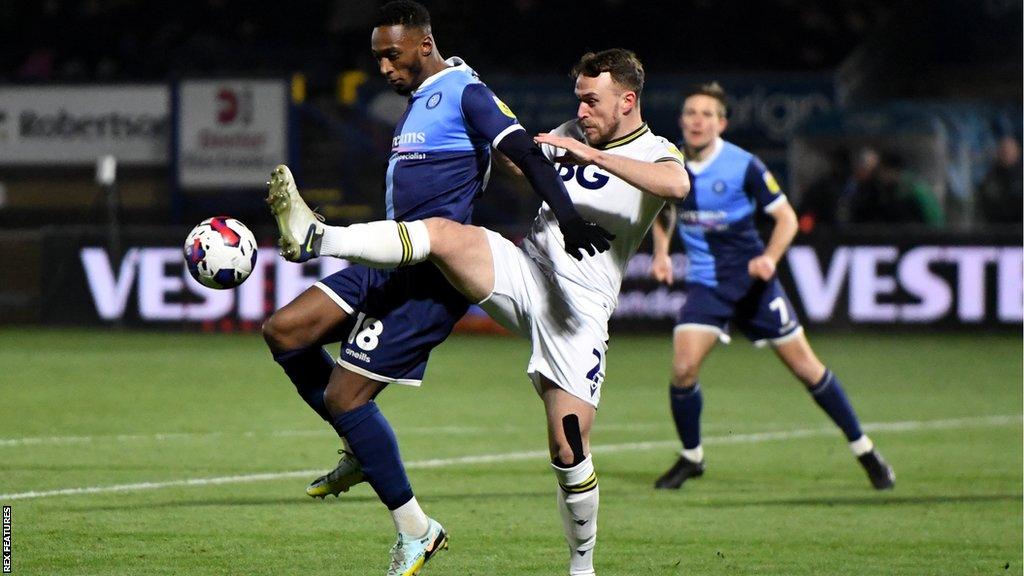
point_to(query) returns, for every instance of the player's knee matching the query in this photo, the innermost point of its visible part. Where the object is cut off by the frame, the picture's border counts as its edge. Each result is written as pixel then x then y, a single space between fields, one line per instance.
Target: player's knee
pixel 684 374
pixel 570 449
pixel 448 238
pixel 272 332
pixel 282 332
pixel 441 232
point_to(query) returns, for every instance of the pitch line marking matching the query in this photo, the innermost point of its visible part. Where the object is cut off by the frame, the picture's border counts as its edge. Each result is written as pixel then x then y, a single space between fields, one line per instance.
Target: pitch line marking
pixel 167 436
pixel 905 426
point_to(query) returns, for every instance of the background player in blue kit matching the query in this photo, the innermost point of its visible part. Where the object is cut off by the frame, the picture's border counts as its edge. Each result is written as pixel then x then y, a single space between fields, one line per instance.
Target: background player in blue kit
pixel 731 278
pixel 389 320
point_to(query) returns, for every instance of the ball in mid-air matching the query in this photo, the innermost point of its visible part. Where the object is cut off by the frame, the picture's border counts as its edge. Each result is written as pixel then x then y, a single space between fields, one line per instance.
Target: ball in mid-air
pixel 220 252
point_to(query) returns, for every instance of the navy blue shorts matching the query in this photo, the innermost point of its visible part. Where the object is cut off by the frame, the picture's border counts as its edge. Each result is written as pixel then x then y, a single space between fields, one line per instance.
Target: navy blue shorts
pixel 763 312
pixel 396 317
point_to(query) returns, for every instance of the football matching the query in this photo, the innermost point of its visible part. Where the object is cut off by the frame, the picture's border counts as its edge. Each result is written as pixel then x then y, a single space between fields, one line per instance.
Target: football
pixel 220 252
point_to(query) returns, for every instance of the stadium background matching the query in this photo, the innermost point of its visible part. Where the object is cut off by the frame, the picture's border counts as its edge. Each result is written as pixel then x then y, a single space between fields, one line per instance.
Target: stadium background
pixel 197 101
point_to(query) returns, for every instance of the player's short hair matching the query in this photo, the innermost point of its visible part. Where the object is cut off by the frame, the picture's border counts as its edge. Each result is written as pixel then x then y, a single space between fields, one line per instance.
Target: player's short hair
pixel 403 13
pixel 712 89
pixel 623 66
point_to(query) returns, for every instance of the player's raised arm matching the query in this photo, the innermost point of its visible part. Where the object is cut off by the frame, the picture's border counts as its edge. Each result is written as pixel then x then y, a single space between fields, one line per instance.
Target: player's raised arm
pixel 664 177
pixel 492 118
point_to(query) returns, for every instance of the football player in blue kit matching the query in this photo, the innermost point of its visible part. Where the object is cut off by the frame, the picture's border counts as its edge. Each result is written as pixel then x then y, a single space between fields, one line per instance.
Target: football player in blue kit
pixel 623 175
pixel 390 320
pixel 731 279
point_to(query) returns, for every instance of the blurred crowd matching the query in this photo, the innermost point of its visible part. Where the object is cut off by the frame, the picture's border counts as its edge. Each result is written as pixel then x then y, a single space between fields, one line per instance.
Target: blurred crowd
pixel 130 40
pixel 998 199
pixel 133 40
pixel 873 187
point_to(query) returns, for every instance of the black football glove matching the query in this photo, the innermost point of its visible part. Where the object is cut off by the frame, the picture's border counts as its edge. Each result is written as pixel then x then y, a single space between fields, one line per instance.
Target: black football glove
pixel 582 236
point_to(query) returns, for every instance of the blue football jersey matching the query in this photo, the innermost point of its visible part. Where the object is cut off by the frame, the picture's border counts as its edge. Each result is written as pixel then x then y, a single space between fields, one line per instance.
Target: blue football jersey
pixel 440 154
pixel 716 220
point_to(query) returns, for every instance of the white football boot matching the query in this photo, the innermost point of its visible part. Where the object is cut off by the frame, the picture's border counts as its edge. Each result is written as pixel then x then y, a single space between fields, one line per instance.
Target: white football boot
pixel 409 554
pixel 301 230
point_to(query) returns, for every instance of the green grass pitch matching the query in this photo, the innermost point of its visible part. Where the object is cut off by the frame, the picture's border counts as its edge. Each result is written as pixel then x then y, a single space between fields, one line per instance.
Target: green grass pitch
pixel 187 424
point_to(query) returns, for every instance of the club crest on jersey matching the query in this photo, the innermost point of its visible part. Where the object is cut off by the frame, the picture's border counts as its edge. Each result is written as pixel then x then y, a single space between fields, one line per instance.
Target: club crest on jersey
pixel 504 108
pixel 434 100
pixel 718 187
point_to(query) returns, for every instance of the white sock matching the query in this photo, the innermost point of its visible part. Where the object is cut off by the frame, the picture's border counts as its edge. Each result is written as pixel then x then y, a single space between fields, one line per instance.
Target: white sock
pixel 693 454
pixel 862 445
pixel 578 497
pixel 382 244
pixel 410 519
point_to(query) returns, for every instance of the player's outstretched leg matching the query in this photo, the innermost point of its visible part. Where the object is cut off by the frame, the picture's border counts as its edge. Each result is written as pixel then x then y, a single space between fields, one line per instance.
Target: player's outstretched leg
pixel 691 345
pixel 578 495
pixel 828 393
pixel 383 244
pixel 461 252
pixel 300 228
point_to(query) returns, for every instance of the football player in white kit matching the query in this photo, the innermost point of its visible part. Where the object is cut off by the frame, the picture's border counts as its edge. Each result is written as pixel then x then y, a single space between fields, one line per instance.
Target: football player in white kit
pixel 618 175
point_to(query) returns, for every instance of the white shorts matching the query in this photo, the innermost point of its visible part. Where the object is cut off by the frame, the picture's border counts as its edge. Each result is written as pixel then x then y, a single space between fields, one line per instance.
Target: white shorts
pixel 566 323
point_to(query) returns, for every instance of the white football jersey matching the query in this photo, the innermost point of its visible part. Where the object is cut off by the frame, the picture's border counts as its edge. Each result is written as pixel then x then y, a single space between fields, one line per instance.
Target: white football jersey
pixel 606 200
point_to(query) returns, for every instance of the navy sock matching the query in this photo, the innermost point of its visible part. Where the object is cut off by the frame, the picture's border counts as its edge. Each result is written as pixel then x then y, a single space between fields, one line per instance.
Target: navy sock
pixel 310 370
pixel 686 406
pixel 829 394
pixel 373 442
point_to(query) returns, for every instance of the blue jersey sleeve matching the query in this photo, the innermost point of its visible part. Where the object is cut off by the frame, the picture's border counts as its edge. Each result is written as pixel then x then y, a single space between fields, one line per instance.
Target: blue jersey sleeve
pixel 760 185
pixel 486 115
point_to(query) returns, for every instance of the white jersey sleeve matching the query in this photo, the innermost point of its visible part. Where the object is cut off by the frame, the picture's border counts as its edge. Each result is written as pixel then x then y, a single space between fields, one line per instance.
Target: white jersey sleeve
pixel 664 151
pixel 569 129
pixel 608 201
